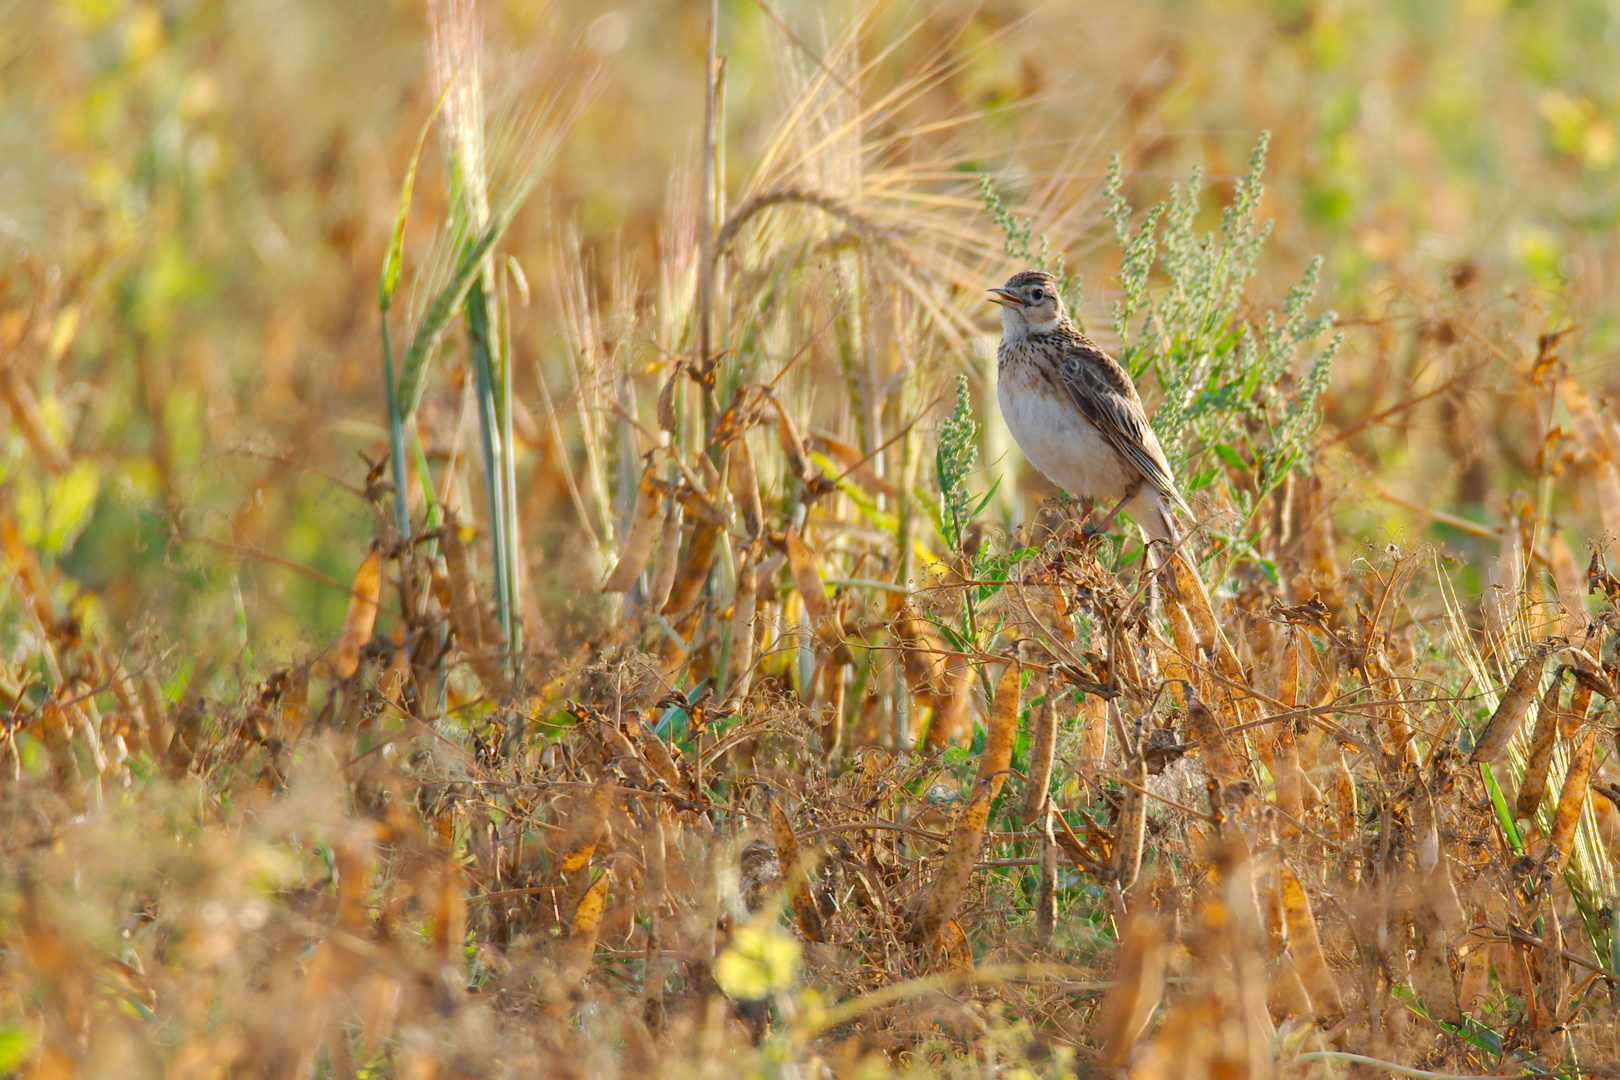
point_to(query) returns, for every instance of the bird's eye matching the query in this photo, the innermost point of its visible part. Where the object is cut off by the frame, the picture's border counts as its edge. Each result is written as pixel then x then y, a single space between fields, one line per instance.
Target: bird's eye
pixel 1038 295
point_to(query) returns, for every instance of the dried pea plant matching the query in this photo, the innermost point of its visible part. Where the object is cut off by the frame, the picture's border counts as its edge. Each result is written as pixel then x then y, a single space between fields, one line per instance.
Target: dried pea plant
pixel 818 770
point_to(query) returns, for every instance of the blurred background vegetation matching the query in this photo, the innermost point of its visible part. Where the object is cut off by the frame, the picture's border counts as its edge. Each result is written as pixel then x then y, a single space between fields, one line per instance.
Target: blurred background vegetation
pixel 196 197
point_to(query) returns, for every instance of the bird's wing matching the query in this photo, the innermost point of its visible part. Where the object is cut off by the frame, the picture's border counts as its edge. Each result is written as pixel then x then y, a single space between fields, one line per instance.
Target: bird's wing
pixel 1104 394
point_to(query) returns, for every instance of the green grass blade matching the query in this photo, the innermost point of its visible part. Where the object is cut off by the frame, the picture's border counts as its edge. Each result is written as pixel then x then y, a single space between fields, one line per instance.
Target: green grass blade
pixel 443 309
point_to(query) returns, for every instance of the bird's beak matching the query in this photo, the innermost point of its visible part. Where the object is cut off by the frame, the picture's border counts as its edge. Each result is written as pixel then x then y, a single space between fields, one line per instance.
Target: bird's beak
pixel 1005 298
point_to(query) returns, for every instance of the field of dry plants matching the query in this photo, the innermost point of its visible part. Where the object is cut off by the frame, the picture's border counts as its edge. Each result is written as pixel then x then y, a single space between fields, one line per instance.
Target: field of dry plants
pixel 513 566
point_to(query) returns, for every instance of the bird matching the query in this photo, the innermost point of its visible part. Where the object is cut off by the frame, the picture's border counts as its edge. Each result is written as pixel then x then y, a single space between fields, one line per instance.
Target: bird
pixel 1076 415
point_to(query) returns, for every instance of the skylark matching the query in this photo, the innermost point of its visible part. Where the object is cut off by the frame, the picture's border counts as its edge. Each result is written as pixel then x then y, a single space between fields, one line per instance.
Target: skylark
pixel 1075 413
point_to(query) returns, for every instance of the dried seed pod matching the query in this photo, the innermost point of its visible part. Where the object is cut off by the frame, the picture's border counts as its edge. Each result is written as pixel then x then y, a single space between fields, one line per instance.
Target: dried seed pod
pixel 1595 438
pixel 1130 831
pixel 638 541
pixel 1425 828
pixel 666 557
pixel 951 949
pixel 580 945
pixel 1094 729
pixel 950 706
pixel 1139 965
pixel 1288 670
pixel 795 875
pixel 740 661
pixel 1205 730
pixel 1511 710
pixel 1046 891
pixel 1552 981
pixel 474 627
pixel 1475 980
pixel 807 579
pixel 1345 801
pixel 1432 977
pixel 621 752
pixel 1567 576
pixel 938 903
pixel 744 485
pixel 1571 801
pixel 1570 720
pixel 1002 731
pixel 798 462
pixel 295 704
pixel 1042 749
pixel 362 617
pixel 694 570
pixel 589 826
pixel 659 759
pixel 1306 945
pixel 1533 784
pixel 832 706
pixel 158 729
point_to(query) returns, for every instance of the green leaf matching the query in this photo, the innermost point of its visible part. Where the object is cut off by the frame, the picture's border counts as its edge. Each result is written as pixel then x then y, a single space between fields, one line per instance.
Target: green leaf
pixel 1231 457
pixel 69 504
pixel 15 1045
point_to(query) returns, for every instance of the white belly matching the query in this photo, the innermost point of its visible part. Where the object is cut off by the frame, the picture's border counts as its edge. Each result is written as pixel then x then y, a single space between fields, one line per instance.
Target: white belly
pixel 1065 446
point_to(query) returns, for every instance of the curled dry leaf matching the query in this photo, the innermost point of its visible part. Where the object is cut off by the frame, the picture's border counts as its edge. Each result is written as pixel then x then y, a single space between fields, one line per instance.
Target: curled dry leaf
pixel 639 539
pixel 362 617
pixel 1511 710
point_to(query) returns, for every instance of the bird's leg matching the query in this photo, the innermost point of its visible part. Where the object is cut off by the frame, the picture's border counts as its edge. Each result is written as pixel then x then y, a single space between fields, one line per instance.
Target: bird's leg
pixel 1077 526
pixel 1102 526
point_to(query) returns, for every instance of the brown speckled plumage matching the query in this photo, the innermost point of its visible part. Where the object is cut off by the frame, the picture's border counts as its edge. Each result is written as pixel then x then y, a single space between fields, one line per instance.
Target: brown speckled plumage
pixel 1075 413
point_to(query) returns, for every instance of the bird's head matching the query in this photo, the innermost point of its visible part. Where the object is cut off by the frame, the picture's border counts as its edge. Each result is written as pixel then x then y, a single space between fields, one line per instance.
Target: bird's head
pixel 1030 303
